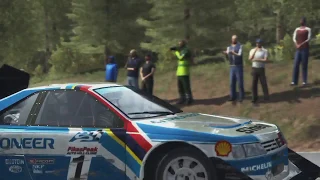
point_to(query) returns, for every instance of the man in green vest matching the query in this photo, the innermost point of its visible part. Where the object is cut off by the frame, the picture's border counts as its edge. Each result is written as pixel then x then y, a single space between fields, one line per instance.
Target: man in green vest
pixel 184 56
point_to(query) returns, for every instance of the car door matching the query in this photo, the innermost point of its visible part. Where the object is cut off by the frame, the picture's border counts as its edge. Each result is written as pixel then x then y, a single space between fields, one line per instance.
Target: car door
pixel 14 140
pixel 86 139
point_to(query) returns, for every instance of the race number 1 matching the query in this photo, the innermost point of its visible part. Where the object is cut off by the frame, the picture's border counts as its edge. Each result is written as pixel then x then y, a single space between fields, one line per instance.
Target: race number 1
pixel 79 167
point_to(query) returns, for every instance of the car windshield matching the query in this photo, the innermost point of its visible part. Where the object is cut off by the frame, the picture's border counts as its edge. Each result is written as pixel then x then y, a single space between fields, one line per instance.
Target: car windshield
pixel 135 104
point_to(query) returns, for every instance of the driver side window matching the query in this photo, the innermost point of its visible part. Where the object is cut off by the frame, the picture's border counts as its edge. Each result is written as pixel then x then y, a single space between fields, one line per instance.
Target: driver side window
pixel 18 114
pixel 72 108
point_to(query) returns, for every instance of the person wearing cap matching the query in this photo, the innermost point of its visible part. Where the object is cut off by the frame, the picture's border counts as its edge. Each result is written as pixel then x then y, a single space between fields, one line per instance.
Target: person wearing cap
pixel 301 38
pixel 184 57
pixel 133 65
pixel 111 69
pixel 259 56
pixel 146 74
pixel 234 54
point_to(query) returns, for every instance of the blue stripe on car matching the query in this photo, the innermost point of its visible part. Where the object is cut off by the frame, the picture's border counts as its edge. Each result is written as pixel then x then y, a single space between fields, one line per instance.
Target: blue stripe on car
pixel 231 126
pixel 157 133
pixel 69 86
pixel 261 163
pixel 117 150
pixel 8 101
pixel 32 129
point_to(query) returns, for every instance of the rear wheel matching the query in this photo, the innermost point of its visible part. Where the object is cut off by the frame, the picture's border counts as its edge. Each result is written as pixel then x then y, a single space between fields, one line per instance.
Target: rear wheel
pixel 185 164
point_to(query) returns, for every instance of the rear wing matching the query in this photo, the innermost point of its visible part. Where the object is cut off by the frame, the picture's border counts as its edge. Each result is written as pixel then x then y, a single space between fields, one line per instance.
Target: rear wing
pixel 12 80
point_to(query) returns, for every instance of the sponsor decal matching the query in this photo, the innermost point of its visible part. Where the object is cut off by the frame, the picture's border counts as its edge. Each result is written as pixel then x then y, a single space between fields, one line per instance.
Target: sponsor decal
pixel 258 167
pixel 223 148
pixel 84 136
pixel 26 143
pixel 15 169
pixel 182 117
pixel 49 172
pixel 14 161
pixel 37 169
pixel 41 161
pixel 82 150
pixel 158 121
pixel 249 130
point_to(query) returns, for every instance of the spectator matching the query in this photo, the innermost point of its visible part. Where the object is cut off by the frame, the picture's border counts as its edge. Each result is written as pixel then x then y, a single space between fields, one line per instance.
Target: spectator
pixel 184 57
pixel 301 38
pixel 234 52
pixel 259 56
pixel 146 73
pixel 133 66
pixel 111 69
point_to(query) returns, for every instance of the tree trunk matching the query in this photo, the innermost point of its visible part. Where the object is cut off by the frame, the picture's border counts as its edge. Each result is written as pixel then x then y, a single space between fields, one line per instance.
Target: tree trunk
pixel 279 27
pixel 106 54
pixel 186 23
pixel 47 43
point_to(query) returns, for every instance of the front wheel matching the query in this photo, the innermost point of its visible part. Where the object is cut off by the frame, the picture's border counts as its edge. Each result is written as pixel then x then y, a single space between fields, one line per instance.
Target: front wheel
pixel 185 164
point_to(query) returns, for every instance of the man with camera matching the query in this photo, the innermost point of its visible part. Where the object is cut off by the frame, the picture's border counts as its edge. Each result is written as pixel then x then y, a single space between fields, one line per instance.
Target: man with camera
pixel 184 56
pixel 234 54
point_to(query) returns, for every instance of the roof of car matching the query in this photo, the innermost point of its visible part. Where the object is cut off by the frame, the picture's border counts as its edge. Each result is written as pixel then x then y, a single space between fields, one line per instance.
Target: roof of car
pixel 74 85
pixel 13 98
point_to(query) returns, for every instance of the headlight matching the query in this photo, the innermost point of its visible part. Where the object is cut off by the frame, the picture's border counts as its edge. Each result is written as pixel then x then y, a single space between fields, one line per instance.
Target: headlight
pixel 238 152
pixel 254 149
pixel 247 150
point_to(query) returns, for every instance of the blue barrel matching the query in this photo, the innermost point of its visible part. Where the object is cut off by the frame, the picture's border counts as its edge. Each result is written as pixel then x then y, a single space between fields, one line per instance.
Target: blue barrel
pixel 111 72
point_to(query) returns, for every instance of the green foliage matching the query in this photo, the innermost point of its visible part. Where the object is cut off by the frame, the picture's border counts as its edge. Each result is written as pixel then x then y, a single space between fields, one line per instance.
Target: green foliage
pixel 79 33
pixel 258 18
pixel 166 60
pixel 276 53
pixel 19 32
pixel 288 48
pixel 246 50
pixel 38 70
pixel 317 40
pixel 207 25
pixel 284 51
pixel 70 60
pixel 100 27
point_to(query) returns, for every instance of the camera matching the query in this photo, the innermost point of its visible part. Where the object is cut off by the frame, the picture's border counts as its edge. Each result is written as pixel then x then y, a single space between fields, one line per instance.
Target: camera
pixel 173 48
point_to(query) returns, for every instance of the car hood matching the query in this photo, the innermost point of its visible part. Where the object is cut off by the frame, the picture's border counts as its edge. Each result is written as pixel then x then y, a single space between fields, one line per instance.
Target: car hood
pixel 205 123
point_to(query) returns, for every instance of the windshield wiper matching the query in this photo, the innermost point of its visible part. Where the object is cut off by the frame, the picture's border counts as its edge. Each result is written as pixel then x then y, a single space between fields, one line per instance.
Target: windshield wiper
pixel 153 112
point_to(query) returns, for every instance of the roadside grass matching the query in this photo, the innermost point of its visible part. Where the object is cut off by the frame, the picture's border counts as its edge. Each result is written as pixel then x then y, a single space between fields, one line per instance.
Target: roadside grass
pixel 294 110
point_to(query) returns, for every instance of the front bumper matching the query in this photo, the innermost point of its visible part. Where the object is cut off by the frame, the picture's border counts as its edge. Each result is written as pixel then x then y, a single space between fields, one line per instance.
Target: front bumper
pixel 267 167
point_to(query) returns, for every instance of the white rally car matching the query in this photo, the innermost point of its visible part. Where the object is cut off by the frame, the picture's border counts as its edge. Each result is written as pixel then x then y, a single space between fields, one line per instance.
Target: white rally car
pixel 113 132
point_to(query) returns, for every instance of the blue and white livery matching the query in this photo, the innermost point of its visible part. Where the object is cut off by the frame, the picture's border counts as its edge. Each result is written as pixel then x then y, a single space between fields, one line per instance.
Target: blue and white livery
pixel 113 132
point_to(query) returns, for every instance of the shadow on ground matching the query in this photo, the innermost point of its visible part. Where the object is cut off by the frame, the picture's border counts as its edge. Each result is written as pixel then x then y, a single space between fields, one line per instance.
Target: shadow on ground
pixel 211 101
pixel 294 95
pixel 291 96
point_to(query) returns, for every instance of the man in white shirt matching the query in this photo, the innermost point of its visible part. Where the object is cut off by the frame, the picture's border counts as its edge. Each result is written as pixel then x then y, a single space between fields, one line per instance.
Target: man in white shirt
pixel 259 56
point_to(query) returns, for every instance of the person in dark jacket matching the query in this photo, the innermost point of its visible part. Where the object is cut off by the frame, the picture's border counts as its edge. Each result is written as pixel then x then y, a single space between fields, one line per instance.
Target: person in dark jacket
pixel 234 52
pixel 133 65
pixel 111 69
pixel 146 74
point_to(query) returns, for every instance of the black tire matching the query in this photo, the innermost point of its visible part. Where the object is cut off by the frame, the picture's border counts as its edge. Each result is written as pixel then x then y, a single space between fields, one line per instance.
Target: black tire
pixel 189 152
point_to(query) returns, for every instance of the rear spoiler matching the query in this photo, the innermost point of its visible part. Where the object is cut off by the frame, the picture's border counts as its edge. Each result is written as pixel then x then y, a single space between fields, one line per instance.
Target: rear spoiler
pixel 12 80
